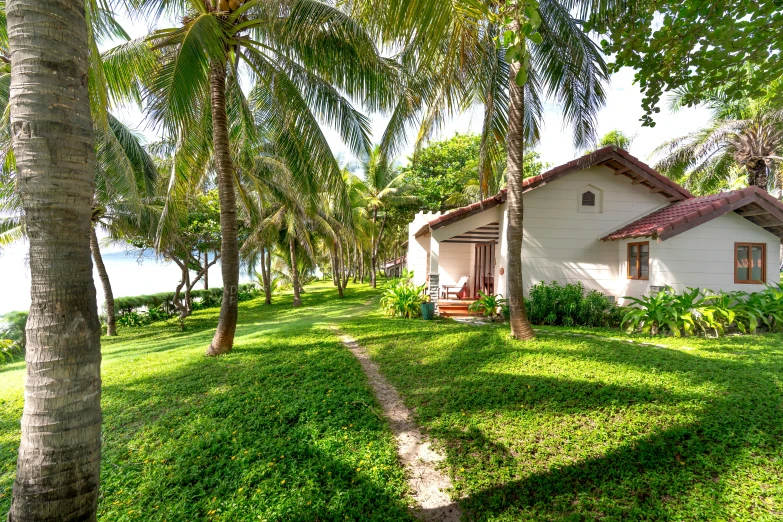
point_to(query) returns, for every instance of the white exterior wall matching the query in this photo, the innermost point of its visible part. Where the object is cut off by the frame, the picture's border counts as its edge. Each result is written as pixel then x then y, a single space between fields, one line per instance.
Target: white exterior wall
pixel 419 247
pixel 455 263
pixel 562 244
pixel 703 257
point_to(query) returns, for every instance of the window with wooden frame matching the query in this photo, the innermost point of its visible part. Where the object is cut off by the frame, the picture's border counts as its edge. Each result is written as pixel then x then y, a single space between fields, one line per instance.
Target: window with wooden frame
pixel 639 260
pixel 750 263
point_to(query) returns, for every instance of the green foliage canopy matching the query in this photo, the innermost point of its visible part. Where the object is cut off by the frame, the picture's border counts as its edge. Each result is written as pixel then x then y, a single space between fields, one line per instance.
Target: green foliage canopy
pixel 698 45
pixel 442 173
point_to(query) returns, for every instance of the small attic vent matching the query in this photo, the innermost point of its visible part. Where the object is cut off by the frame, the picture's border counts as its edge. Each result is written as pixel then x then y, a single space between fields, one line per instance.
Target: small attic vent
pixel 588 199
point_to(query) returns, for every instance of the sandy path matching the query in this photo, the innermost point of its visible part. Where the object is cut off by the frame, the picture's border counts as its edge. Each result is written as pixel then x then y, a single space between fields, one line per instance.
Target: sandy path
pixel 429 485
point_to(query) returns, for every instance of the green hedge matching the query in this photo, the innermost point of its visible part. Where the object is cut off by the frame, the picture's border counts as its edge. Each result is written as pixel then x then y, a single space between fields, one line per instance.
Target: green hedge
pixel 165 300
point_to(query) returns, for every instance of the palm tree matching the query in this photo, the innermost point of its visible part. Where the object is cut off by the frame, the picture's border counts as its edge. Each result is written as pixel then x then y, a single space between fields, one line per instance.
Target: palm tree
pixel 462 60
pixel 747 135
pixel 382 183
pixel 58 468
pixel 300 55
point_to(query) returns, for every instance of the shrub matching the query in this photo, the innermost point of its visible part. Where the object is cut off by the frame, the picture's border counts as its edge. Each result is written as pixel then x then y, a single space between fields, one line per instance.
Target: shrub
pixel 553 304
pixel 403 299
pixel 12 335
pixel 133 319
pixel 654 313
pixel 488 305
pixel 702 311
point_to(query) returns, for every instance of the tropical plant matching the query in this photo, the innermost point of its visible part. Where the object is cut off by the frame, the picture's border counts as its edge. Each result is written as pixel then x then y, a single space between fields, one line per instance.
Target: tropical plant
pixel 382 182
pixel 12 335
pixel 746 135
pixel 303 58
pixel 403 299
pixel 651 314
pixel 488 305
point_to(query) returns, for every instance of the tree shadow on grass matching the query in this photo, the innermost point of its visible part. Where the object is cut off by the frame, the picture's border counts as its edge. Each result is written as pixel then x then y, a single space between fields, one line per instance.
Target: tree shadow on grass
pixel 209 429
pixel 711 458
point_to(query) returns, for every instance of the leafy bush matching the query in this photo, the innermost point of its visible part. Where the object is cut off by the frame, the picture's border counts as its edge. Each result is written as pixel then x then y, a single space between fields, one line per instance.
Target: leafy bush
pixel 703 311
pixel 12 335
pixel 488 305
pixel 553 304
pixel 133 319
pixel 403 299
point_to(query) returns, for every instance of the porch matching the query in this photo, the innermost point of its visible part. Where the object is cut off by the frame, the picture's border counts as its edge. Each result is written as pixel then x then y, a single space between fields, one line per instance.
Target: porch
pixel 457 256
pixel 455 308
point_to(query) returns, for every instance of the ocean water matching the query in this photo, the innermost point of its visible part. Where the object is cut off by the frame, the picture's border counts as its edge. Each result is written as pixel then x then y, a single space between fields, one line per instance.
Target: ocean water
pixel 131 272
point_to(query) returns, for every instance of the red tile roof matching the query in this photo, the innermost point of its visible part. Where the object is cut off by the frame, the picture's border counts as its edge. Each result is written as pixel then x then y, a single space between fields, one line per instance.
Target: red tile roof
pixel 686 212
pixel 606 154
pixel 684 215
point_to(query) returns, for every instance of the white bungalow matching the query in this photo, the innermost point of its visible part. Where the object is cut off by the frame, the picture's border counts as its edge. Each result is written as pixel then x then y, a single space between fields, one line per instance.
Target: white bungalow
pixel 609 221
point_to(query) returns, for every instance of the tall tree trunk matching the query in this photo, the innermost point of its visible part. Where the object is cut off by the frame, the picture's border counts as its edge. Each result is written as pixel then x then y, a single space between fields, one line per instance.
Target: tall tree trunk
pixel 343 272
pixel 376 242
pixel 338 277
pixel 229 247
pixel 757 173
pixel 59 460
pixel 111 319
pixel 206 272
pixel 266 275
pixel 356 263
pixel 361 266
pixel 520 326
pixel 373 248
pixel 294 272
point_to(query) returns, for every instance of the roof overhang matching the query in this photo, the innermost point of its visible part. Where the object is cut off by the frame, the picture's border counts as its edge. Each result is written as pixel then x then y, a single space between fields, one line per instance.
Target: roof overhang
pixel 752 203
pixel 612 157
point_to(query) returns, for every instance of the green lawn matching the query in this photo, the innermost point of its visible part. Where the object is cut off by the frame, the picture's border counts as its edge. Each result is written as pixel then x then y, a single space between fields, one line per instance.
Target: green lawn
pixel 564 428
pixel 281 429
pixel 567 428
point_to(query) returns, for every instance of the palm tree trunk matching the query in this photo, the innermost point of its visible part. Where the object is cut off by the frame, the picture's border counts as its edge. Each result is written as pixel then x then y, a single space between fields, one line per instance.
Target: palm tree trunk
pixel 294 272
pixel 757 174
pixel 266 275
pixel 59 459
pixel 356 263
pixel 373 249
pixel 343 272
pixel 111 319
pixel 361 266
pixel 229 247
pixel 520 326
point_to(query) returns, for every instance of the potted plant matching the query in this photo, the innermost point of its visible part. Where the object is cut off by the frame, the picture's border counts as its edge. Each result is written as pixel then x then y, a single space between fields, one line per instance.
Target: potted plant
pixel 427 308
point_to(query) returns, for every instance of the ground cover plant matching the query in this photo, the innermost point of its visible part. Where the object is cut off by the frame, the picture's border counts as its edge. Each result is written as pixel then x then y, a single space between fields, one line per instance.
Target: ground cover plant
pixel 590 428
pixel 283 428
